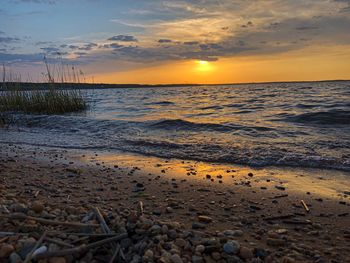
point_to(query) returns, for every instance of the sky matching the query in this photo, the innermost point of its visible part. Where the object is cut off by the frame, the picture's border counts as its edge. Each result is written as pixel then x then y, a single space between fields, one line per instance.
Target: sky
pixel 177 41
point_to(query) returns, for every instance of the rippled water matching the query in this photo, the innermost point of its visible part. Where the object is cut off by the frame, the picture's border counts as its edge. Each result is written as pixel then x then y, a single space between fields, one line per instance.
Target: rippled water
pixel 288 124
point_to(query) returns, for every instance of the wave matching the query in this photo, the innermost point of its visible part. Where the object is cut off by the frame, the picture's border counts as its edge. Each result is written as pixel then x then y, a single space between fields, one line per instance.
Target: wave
pixel 165 103
pixel 324 117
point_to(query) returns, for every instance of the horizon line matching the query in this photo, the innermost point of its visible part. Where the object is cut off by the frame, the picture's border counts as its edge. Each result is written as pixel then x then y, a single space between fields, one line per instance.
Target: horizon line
pixel 181 84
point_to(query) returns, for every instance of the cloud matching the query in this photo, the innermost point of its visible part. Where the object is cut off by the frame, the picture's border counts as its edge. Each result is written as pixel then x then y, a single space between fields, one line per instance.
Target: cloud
pixel 123 38
pixel 25 58
pixel 9 39
pixel 164 40
pixel 191 43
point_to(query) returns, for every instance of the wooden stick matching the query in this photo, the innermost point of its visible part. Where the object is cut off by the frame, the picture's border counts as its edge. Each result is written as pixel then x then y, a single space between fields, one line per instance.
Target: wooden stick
pixel 55 241
pixel 103 224
pixel 13 234
pixel 80 249
pixel 115 255
pixel 305 206
pixel 46 221
pixel 58 242
pixel 82 234
pixel 38 243
pixel 107 230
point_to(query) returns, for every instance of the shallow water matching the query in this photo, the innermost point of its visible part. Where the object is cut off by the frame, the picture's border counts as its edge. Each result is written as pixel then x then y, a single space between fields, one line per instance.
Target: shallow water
pixel 280 124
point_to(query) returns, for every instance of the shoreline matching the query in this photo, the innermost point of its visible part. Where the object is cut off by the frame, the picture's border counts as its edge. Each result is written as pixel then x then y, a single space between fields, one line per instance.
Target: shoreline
pixel 233 197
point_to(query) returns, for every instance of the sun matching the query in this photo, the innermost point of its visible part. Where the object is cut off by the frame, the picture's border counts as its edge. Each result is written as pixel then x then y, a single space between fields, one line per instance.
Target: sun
pixel 203 65
pixel 203 62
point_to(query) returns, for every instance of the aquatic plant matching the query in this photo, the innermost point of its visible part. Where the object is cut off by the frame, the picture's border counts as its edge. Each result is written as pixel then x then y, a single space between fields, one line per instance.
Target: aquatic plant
pixel 53 100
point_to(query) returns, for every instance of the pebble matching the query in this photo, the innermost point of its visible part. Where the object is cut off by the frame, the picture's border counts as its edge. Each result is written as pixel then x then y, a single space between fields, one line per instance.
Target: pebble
pixel 149 254
pixel 196 225
pixel 40 250
pixel 197 259
pixel 205 219
pixel 231 247
pixel 37 207
pixel 176 259
pixel 274 242
pixel 246 253
pixel 6 250
pixel 200 249
pixel 15 258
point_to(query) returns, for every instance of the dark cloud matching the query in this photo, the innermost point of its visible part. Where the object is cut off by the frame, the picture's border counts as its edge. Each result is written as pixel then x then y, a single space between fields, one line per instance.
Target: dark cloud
pixel 73 47
pixel 25 58
pixel 191 43
pixel 40 43
pixel 306 28
pixel 163 40
pixel 9 39
pixel 88 46
pixel 123 38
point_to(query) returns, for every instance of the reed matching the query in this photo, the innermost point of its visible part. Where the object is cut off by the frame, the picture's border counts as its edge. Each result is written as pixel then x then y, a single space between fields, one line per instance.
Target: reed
pixel 53 100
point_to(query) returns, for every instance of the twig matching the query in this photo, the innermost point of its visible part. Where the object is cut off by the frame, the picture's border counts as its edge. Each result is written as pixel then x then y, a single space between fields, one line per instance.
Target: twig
pixel 279 196
pixel 115 255
pixel 55 241
pixel 80 249
pixel 107 230
pixel 83 234
pixel 103 223
pixel 47 221
pixel 305 206
pixel 38 243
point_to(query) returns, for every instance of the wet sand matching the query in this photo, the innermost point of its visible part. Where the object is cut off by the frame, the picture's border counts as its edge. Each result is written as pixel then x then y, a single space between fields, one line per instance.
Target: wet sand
pixel 264 205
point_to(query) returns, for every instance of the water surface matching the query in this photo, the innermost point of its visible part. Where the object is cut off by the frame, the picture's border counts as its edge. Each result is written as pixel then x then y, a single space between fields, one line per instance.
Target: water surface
pixel 279 124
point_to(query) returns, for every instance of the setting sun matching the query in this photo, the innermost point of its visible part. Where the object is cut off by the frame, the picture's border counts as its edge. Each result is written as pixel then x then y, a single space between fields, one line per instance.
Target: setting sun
pixel 203 65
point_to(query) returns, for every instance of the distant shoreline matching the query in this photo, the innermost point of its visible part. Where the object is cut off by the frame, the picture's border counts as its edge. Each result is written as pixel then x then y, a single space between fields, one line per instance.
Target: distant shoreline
pixel 44 85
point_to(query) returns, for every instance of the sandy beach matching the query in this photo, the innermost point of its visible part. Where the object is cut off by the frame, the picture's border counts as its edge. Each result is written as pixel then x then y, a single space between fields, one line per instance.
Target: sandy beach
pixel 263 207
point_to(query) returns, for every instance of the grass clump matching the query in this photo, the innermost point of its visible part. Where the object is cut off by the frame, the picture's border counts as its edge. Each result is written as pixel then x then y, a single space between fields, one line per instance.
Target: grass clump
pixel 52 101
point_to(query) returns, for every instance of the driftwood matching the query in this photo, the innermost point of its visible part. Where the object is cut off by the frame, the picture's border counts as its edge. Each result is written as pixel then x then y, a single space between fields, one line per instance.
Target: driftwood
pixel 80 234
pixel 106 230
pixel 80 249
pixel 38 243
pixel 4 234
pixel 21 216
pixel 305 206
pixel 52 240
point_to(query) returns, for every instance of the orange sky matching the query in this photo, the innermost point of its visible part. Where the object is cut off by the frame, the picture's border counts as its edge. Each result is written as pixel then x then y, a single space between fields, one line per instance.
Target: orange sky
pixel 323 63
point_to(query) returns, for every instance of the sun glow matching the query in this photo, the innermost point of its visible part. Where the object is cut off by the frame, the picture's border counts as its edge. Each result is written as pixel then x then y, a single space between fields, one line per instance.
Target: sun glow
pixel 203 65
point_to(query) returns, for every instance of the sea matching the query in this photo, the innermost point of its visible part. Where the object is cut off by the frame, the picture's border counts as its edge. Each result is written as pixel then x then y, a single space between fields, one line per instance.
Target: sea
pixel 294 124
